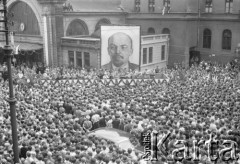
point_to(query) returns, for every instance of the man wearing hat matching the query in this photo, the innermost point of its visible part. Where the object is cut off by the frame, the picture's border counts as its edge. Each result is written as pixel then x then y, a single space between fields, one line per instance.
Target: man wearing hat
pixel 116 121
pixel 87 124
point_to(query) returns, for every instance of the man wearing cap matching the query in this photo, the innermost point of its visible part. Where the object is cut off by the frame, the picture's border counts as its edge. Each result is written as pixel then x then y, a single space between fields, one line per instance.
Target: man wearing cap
pixel 102 120
pixel 116 121
pixel 23 151
pixel 87 124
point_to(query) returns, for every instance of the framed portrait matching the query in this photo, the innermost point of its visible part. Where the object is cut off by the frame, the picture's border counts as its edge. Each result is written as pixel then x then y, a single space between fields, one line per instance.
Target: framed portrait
pixel 120 47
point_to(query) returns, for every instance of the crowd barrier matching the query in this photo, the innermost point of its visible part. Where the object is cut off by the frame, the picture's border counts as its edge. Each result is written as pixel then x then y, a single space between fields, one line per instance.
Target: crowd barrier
pixel 105 82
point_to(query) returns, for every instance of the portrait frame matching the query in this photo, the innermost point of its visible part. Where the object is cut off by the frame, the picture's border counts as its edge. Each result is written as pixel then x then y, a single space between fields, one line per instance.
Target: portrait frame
pixel 133 31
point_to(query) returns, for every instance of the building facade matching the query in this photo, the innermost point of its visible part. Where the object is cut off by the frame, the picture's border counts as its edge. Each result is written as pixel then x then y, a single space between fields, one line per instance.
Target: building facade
pixel 81 41
pixel 209 29
pixel 85 52
pixel 203 29
pixel 37 28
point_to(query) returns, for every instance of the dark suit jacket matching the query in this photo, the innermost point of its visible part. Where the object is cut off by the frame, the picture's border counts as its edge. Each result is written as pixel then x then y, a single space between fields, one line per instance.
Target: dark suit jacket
pixel 132 66
pixel 23 152
pixel 102 122
pixel 68 108
pixel 116 123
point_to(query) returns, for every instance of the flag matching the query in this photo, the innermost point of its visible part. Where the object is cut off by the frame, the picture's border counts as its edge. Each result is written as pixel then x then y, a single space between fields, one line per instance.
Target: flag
pixel 16 49
pixel 12 38
pixel 163 10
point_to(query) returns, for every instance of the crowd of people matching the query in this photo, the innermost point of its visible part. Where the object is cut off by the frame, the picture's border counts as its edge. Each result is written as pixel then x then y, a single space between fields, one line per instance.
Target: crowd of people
pixel 54 121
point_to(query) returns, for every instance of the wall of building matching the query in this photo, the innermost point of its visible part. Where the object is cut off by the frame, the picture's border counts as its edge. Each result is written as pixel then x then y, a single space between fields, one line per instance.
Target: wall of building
pixel 217 27
pixel 25 21
pixel 48 18
pixel 93 48
pixel 182 22
pixel 92 20
pixel 176 5
pixel 182 36
pixel 36 8
pixel 183 6
pixel 94 55
pixel 156 46
pixel 219 6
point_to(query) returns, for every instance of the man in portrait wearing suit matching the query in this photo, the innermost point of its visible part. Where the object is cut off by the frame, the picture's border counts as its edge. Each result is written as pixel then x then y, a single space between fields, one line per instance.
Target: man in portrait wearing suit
pixel 120 48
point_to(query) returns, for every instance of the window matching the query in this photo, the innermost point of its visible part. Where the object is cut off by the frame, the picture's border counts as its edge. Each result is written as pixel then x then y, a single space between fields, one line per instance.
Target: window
pixel 144 55
pixel 166 4
pixel 165 31
pixel 208 6
pixel 229 6
pixel 147 55
pixel 77 27
pixel 79 59
pixel 151 31
pixel 71 58
pixel 151 5
pixel 137 5
pixel 226 40
pixel 86 59
pixel 103 21
pixel 207 37
pixel 163 52
pixel 150 55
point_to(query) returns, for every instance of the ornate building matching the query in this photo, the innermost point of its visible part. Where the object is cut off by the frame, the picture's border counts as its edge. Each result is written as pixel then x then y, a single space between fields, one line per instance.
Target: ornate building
pixel 60 32
pixel 202 29
pixel 209 29
pixel 38 28
pixel 81 41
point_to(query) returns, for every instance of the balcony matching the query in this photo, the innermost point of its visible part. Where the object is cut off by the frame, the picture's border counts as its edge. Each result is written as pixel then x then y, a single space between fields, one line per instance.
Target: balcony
pixel 85 42
pixel 154 38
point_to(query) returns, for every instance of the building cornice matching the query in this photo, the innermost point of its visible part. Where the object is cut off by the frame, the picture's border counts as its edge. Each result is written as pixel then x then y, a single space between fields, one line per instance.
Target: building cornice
pixel 184 16
pixel 51 1
pixel 93 13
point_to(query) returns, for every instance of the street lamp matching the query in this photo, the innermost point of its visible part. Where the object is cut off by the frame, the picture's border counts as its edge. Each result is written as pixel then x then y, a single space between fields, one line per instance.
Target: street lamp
pixel 12 101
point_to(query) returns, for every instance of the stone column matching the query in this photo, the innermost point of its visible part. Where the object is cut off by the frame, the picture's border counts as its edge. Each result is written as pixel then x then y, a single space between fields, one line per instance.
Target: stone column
pixel 53 15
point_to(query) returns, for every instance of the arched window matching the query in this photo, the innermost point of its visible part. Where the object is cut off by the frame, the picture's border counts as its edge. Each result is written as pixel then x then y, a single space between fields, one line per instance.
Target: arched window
pixel 151 31
pixel 226 40
pixel 24 18
pixel 207 38
pixel 77 27
pixel 102 22
pixel 166 31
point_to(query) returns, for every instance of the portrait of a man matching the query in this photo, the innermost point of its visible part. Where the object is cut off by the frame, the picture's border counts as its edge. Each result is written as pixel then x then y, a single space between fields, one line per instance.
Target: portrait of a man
pixel 120 49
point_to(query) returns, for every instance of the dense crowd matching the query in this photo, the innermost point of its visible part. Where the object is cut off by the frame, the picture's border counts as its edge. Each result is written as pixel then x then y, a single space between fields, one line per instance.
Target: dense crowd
pixel 54 122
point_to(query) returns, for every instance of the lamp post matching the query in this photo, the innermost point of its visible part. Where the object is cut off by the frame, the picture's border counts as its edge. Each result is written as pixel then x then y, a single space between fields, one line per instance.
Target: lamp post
pixel 12 101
